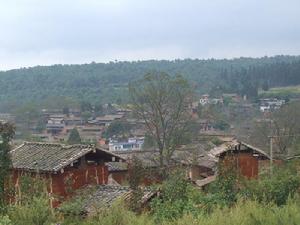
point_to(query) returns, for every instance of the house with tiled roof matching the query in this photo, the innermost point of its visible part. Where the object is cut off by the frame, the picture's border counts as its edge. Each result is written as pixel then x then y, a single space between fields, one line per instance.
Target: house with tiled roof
pixel 99 197
pixel 200 161
pixel 65 167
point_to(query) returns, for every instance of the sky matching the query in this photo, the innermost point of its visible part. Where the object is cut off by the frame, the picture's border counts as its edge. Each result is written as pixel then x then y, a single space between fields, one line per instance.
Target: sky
pixel 46 32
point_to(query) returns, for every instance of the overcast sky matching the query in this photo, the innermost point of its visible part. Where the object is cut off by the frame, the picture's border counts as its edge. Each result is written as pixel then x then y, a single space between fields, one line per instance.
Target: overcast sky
pixel 44 32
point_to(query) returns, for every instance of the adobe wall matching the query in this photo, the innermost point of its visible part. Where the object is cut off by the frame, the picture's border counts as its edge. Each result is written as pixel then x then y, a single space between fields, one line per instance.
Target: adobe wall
pixel 245 162
pixel 63 185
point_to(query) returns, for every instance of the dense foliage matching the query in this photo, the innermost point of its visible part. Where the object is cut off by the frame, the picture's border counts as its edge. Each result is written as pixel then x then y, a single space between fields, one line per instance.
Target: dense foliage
pixel 61 85
pixel 74 137
pixel 268 200
pixel 7 132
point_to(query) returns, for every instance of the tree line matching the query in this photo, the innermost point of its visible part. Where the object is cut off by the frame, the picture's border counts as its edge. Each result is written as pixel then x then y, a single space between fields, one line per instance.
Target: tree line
pixel 50 86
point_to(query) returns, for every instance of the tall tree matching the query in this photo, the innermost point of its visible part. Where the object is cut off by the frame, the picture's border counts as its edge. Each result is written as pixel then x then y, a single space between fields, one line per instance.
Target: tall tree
pixel 7 132
pixel 118 128
pixel 74 137
pixel 162 102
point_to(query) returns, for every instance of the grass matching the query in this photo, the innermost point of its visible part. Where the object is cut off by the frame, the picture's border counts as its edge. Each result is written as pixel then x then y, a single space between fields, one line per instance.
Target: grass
pixel 245 212
pixel 282 92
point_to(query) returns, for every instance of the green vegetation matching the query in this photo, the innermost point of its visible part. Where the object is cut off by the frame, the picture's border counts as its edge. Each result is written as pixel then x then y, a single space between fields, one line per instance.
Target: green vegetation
pixel 61 86
pixel 268 200
pixel 281 92
pixel 7 132
pixel 118 128
pixel 162 103
pixel 74 137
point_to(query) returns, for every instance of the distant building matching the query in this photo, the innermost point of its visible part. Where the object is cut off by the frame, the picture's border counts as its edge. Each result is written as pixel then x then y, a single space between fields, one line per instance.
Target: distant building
pixel 130 144
pixel 205 125
pixel 106 120
pixel 270 104
pixel 55 124
pixel 205 100
pixel 74 120
pixel 6 117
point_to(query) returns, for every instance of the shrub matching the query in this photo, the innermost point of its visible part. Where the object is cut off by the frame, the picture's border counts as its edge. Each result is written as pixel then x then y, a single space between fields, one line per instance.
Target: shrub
pixel 225 189
pixel 177 198
pixel 37 212
pixel 4 220
pixel 276 188
pixel 118 215
pixel 246 213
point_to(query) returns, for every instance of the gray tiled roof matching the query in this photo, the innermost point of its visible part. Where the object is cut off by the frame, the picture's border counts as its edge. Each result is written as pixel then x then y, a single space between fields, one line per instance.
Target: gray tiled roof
pixel 117 166
pixel 49 157
pixel 103 196
pixel 232 145
pixel 149 158
pixel 187 155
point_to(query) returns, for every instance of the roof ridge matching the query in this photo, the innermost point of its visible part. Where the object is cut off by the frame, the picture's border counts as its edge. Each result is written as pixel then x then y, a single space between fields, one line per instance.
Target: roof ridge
pixel 76 145
pixel 41 143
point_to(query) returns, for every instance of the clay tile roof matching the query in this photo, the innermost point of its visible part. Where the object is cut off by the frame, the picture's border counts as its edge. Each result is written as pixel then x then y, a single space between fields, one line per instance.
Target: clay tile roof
pixel 105 195
pixel 117 166
pixel 230 146
pixel 49 157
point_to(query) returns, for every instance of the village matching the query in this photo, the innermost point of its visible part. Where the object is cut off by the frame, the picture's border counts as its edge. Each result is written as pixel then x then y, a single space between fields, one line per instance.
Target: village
pixel 95 154
pixel 55 125
pixel 134 112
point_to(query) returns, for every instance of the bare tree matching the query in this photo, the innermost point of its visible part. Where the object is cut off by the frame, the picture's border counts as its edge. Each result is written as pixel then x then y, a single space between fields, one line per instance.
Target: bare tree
pixel 163 102
pixel 283 126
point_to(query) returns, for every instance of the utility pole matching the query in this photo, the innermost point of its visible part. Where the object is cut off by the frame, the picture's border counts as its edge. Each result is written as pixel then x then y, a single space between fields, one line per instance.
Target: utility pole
pixel 271 155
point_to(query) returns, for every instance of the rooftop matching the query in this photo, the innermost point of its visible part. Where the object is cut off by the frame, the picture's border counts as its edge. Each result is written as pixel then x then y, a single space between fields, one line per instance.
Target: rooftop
pixel 103 196
pixel 52 157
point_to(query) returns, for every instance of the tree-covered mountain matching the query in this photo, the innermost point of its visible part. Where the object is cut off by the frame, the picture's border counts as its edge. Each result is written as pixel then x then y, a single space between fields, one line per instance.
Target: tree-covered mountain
pixel 107 82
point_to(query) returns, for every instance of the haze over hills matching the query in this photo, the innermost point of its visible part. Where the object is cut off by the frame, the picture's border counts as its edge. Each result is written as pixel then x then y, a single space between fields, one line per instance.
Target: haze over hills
pixel 107 82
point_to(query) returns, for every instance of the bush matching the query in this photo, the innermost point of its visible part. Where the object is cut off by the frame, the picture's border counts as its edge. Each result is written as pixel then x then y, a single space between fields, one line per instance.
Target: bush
pixel 4 220
pixel 246 213
pixel 276 188
pixel 224 190
pixel 118 215
pixel 177 198
pixel 37 212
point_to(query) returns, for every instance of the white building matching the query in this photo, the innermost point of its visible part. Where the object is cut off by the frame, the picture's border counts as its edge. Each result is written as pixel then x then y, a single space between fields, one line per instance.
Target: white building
pixel 269 104
pixel 130 144
pixel 205 99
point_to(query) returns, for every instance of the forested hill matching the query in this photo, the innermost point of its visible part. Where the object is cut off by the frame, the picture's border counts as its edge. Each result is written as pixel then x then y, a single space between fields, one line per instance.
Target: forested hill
pixel 99 82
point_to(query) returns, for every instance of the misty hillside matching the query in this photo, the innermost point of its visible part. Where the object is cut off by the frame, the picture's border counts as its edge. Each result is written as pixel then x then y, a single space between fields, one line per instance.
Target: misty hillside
pixel 99 82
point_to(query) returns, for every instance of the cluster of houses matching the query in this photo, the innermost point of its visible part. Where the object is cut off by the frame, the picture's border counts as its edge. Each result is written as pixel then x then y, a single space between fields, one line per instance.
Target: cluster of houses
pixel 270 104
pixel 6 117
pixel 59 125
pixel 207 100
pixel 102 170
pixel 104 173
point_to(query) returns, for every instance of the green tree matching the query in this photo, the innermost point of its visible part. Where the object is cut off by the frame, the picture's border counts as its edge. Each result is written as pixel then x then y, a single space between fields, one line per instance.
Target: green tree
pixel 86 115
pixel 74 137
pixel 118 128
pixel 86 107
pixel 7 132
pixel 99 111
pixel 162 102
